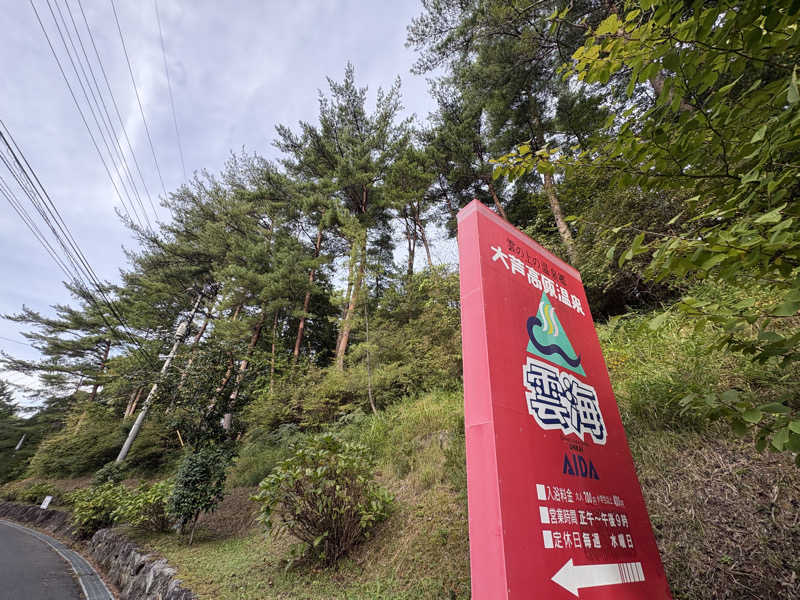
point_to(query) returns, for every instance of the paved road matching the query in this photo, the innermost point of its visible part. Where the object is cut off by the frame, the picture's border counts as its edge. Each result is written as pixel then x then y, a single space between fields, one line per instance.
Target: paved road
pixel 32 570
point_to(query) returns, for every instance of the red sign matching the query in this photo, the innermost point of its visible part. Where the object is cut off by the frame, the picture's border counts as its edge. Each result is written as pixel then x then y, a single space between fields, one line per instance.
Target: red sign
pixel 555 509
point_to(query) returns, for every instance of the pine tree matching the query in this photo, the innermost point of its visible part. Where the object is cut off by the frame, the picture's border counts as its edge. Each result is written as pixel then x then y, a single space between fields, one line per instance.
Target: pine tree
pixel 347 156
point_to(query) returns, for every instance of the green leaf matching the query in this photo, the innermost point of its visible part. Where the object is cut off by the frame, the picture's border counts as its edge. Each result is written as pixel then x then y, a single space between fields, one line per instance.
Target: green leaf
pixel 674 219
pixel 752 416
pixel 795 427
pixel 610 25
pixel 787 309
pixel 658 321
pixel 780 438
pixel 772 216
pixel 759 135
pixel 774 408
pixel 793 96
pixel 636 248
pixel 739 427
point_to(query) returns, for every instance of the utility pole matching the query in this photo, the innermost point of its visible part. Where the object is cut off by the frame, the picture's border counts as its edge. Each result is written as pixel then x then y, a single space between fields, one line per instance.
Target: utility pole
pixel 180 333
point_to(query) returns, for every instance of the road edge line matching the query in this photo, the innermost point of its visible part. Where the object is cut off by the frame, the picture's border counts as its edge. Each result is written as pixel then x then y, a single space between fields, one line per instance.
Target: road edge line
pixel 54 543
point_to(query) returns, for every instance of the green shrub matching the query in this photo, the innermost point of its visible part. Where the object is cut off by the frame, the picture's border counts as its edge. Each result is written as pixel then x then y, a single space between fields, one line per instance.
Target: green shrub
pixel 93 508
pixel 91 438
pixel 324 495
pixel 37 492
pixel 112 472
pixel 261 452
pixel 8 491
pixel 32 491
pixel 199 486
pixel 146 507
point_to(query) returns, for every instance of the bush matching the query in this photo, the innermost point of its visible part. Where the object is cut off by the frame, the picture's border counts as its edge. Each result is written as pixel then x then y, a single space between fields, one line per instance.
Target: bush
pixel 32 491
pixel 146 507
pixel 324 495
pixel 261 452
pixel 93 508
pixel 37 492
pixel 91 438
pixel 199 486
pixel 110 473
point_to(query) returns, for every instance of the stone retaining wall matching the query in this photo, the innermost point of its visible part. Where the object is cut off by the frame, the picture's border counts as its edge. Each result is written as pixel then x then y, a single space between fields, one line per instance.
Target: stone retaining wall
pixel 136 574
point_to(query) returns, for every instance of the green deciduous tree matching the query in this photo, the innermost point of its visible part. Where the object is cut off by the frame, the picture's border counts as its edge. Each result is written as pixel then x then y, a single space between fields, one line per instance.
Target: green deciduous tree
pixel 719 123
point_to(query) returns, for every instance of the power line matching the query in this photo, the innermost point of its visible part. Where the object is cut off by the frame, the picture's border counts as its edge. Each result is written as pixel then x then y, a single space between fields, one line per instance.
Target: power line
pixel 5 190
pixel 16 341
pixel 116 108
pixel 81 270
pixel 119 171
pixel 80 111
pixel 138 98
pixel 99 101
pixel 79 262
pixel 169 87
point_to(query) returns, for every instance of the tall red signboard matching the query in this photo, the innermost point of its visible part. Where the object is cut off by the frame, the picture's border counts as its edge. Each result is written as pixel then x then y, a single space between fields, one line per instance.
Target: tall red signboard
pixel 555 509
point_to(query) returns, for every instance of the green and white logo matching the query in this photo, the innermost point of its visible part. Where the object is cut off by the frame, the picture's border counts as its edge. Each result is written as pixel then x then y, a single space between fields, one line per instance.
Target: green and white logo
pixel 548 339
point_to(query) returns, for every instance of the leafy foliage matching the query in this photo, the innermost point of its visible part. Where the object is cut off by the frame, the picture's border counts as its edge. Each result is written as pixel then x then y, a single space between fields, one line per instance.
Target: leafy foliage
pixel 89 440
pixel 94 508
pixel 199 485
pixel 146 507
pixel 112 472
pixel 325 495
pixel 722 129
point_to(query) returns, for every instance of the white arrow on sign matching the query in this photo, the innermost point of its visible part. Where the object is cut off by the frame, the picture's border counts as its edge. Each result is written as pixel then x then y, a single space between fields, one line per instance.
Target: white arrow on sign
pixel 573 577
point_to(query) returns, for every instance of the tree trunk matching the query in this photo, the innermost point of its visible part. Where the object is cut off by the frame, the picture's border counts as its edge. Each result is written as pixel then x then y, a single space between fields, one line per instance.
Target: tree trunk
pixel 563 229
pixel 131 408
pixel 348 294
pixel 227 418
pixel 96 385
pixel 347 324
pixel 490 183
pixel 78 387
pixel 423 236
pixel 194 526
pixel 410 225
pixel 555 205
pixel 307 299
pixel 272 359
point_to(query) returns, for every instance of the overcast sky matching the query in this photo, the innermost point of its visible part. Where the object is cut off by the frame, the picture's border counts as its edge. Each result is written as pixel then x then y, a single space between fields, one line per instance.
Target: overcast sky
pixel 237 69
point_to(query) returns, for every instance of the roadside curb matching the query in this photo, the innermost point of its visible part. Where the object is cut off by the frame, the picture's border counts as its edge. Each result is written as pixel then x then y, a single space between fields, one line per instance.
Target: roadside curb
pixel 131 572
pixel 94 588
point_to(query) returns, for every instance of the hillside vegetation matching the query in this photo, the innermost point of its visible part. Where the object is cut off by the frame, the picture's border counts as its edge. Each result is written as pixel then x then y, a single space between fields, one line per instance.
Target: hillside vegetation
pixel 313 345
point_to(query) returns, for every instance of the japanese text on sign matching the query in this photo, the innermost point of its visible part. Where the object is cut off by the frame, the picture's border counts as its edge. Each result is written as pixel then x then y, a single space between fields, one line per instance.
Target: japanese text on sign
pixel 557 400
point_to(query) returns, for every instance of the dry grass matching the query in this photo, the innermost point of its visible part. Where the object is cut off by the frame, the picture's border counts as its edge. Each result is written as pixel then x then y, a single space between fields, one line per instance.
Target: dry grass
pixel 726 518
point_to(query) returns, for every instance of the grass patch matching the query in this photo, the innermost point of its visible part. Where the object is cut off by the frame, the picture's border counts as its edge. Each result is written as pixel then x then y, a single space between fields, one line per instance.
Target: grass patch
pixel 726 518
